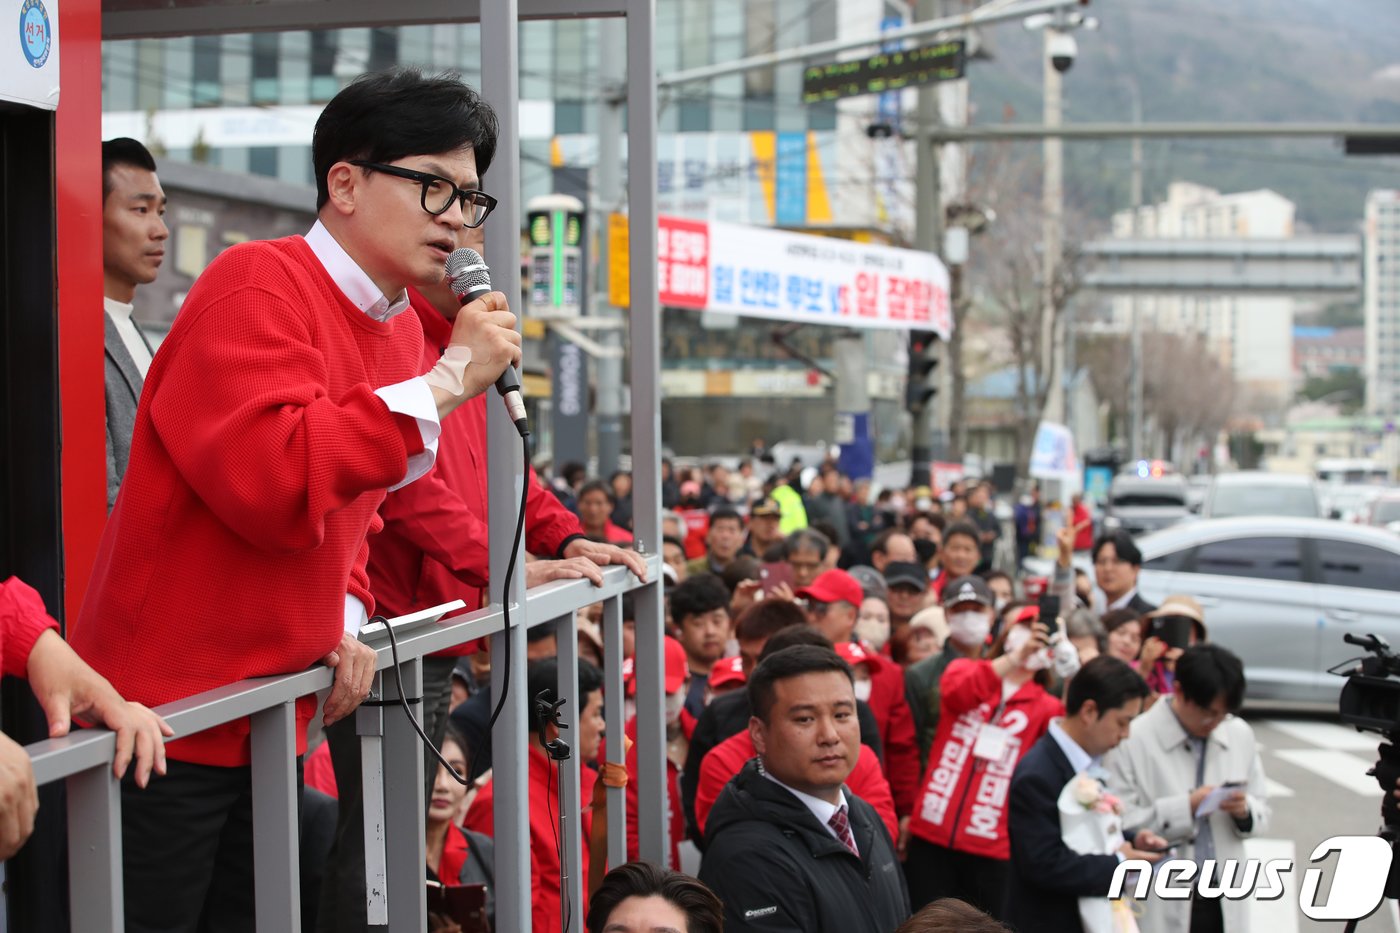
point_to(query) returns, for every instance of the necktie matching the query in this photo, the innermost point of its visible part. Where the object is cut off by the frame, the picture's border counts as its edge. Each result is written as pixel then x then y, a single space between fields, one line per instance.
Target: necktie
pixel 842 827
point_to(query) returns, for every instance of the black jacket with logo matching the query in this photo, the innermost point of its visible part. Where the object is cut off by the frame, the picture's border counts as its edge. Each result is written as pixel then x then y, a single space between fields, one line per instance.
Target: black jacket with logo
pixel 776 868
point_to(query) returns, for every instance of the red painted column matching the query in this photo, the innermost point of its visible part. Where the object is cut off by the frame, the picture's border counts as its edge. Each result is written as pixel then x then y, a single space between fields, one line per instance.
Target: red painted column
pixel 78 202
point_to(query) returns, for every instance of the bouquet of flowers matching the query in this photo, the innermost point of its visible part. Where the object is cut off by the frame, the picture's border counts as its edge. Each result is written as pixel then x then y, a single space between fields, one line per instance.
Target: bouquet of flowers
pixel 1091 823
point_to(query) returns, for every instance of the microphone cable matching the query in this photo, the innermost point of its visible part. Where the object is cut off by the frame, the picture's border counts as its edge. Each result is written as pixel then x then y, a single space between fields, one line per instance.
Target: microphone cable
pixel 505 610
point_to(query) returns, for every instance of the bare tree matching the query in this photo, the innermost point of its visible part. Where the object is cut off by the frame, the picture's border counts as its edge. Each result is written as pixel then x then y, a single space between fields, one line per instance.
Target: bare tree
pixel 1005 272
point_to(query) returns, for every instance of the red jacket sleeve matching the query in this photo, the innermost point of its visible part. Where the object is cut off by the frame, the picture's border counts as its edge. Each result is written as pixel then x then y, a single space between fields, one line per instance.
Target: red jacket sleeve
pixel 22 620
pixel 547 523
pixel 264 445
pixel 868 783
pixel 898 740
pixel 481 815
pixel 429 514
pixel 966 683
pixel 719 765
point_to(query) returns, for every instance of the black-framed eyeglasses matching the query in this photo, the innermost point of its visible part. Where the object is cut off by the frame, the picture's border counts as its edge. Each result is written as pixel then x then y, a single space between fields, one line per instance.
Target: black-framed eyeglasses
pixel 439 192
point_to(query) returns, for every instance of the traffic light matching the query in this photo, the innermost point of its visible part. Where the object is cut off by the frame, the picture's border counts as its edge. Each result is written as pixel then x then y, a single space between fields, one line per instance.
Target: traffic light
pixel 923 369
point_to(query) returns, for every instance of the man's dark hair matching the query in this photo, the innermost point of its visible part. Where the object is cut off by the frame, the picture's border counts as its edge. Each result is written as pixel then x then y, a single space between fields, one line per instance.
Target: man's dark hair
pixel 766 618
pixel 573 472
pixel 740 569
pixel 987 578
pixel 698 595
pixel 629 606
pixel 387 115
pixel 791 637
pixel 123 151
pixel 597 485
pixel 950 915
pixel 674 542
pixel 806 539
pixel 966 529
pixel 539 632
pixel 726 514
pixel 786 664
pixel 703 911
pixel 543 678
pixel 1107 681
pixel 1123 546
pixel 1205 671
pixel 936 519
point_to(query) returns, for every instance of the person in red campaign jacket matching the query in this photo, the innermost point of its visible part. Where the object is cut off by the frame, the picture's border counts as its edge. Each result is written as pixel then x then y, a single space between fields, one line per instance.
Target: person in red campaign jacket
pixel 992 713
pixel 833 602
pixel 546 911
pixel 680 725
pixel 287 398
pixel 866 780
pixel 31 647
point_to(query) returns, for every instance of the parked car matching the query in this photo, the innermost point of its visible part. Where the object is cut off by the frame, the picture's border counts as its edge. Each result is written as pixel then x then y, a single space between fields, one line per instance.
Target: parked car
pixel 1140 505
pixel 1385 510
pixel 1259 493
pixel 1281 592
pixel 1350 502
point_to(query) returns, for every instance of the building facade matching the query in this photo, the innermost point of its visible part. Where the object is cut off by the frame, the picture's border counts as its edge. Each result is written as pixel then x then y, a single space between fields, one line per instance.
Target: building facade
pixel 1381 301
pixel 1250 335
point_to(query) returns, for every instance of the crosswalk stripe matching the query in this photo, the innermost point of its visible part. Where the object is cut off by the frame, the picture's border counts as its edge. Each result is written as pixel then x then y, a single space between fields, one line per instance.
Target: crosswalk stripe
pixel 1340 768
pixel 1325 735
pixel 1281 914
pixel 1277 790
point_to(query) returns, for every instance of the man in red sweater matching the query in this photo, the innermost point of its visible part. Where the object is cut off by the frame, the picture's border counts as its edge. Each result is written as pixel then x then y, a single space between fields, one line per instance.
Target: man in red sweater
pixel 288 397
pixel 434 548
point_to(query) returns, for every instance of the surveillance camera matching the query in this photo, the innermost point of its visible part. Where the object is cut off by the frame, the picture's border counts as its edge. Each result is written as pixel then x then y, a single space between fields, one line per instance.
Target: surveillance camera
pixel 1062 49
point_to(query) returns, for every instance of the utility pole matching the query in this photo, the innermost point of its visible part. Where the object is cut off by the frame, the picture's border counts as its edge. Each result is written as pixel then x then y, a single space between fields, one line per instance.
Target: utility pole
pixel 607 198
pixel 1136 416
pixel 928 442
pixel 1052 208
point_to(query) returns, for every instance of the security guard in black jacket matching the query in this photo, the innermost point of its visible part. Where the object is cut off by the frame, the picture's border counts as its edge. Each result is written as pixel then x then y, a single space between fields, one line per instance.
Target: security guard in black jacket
pixel 789 847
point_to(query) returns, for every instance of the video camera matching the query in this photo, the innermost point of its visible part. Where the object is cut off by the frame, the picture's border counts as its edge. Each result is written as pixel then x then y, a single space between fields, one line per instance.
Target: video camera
pixel 1370 701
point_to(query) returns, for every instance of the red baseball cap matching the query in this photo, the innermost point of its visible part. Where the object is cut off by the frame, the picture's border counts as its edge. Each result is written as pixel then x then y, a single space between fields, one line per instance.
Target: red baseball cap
pixel 677 670
pixel 726 672
pixel 834 586
pixel 854 653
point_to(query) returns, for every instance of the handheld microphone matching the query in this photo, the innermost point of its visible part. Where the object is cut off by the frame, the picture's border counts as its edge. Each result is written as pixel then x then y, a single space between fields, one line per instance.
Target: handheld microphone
pixel 470 278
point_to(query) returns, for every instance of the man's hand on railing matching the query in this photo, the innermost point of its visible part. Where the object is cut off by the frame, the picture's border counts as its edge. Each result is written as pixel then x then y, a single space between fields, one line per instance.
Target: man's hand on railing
pixel 18 797
pixel 605 555
pixel 539 572
pixel 66 687
pixel 354 674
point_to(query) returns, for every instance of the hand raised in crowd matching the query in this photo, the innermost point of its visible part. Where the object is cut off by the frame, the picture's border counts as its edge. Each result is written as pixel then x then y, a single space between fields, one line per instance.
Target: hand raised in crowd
pixel 1065 537
pixel 19 799
pixel 354 664
pixel 783 591
pixel 66 686
pixel 1146 845
pixel 539 572
pixel 487 328
pixel 606 555
pixel 746 593
pixel 1152 649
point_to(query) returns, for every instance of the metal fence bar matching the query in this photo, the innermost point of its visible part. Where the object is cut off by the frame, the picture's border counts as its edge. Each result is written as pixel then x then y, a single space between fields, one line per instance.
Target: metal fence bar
pixel 614 711
pixel 404 809
pixel 276 863
pixel 95 851
pixel 645 375
pixel 570 811
pixel 369 727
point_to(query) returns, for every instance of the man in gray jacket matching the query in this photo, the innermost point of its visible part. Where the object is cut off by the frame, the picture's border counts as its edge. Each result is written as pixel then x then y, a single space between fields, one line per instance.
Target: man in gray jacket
pixel 133 247
pixel 1190 771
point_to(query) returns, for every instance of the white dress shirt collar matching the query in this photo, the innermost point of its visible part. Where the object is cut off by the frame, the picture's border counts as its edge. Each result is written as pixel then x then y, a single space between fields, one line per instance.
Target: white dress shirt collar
pixel 351 279
pixel 1080 760
pixel 821 809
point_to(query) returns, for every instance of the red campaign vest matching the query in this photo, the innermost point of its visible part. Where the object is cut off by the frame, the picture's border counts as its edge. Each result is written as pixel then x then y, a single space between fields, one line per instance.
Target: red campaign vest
pixel 962 802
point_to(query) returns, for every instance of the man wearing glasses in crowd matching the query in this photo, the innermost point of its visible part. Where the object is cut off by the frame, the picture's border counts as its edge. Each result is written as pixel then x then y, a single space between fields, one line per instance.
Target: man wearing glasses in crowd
pixel 285 402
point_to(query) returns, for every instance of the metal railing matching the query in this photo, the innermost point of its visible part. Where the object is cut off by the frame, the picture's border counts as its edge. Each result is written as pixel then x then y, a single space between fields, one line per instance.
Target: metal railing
pixel 392 758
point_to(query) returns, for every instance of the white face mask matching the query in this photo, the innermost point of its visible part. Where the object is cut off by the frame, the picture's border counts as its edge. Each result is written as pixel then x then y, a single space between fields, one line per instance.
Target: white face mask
pixel 675 702
pixel 863 690
pixel 969 628
pixel 1001 604
pixel 873 631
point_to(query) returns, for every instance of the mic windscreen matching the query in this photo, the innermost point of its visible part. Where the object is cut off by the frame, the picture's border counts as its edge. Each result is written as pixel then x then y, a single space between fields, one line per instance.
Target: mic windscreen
pixel 467 272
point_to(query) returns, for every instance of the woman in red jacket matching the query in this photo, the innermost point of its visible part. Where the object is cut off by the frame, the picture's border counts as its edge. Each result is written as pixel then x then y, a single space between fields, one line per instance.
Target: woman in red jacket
pixel 993 711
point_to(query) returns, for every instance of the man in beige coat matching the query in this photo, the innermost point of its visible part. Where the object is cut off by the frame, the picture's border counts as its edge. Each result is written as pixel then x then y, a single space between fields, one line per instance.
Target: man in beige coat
pixel 1181 750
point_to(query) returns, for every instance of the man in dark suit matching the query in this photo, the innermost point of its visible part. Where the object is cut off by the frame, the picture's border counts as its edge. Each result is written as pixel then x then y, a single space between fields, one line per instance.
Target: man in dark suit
pixel 1047 878
pixel 1117 562
pixel 133 247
